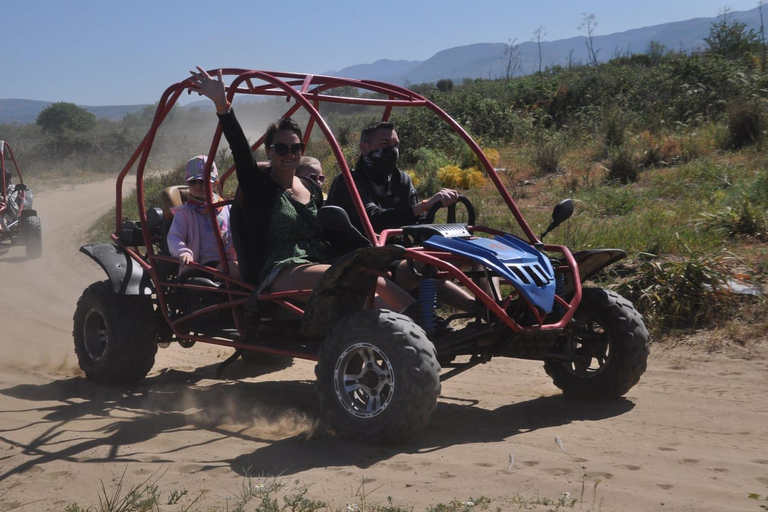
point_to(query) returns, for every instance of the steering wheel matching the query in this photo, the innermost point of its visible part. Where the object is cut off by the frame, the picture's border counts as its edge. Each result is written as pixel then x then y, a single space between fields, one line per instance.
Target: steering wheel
pixel 430 218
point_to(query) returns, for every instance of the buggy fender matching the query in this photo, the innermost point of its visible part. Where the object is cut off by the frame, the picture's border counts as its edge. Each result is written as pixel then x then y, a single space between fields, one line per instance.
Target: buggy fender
pixel 592 262
pixel 126 276
pixel 345 287
pixel 28 213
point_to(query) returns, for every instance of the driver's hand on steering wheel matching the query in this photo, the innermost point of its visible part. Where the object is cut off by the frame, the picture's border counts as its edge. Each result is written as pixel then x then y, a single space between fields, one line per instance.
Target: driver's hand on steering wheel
pixel 186 259
pixel 445 196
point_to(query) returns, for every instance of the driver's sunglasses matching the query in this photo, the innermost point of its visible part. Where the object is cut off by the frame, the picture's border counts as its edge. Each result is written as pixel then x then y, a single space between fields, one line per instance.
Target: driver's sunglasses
pixel 282 149
pixel 319 178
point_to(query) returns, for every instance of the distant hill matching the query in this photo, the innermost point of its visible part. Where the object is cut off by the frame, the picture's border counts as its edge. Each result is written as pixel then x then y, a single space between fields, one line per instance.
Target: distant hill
pixel 485 60
pixel 480 60
pixel 379 70
pixel 26 111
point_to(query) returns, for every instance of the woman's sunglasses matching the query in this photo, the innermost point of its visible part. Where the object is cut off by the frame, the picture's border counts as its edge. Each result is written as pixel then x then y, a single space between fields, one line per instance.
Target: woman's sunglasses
pixel 319 178
pixel 282 149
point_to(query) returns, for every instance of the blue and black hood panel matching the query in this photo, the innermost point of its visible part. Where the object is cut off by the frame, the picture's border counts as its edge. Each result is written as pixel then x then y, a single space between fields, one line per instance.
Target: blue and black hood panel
pixel 527 269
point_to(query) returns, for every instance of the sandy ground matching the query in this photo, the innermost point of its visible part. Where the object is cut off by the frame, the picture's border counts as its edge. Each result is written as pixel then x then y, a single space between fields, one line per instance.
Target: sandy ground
pixel 692 435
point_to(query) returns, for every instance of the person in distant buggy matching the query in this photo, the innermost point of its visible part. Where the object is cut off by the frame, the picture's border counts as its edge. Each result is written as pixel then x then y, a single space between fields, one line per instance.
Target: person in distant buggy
pixel 11 199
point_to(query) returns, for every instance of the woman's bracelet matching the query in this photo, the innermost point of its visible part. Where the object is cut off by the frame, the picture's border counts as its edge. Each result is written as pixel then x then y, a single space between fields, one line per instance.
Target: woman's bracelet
pixel 224 109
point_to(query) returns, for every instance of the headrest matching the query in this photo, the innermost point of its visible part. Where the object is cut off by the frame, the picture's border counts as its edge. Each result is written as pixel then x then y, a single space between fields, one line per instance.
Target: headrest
pixel 173 196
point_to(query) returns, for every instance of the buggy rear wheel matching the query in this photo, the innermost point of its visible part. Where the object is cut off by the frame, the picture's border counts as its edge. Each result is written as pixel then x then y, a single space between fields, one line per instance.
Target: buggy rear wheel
pixel 611 342
pixel 378 377
pixel 115 335
pixel 33 236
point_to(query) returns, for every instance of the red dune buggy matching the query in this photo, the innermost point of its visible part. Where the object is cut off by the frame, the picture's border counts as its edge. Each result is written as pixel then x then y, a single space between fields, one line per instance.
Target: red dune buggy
pixel 19 223
pixel 378 372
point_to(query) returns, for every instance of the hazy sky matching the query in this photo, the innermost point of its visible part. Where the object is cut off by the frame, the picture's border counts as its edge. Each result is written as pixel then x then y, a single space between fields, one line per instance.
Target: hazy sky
pixel 102 52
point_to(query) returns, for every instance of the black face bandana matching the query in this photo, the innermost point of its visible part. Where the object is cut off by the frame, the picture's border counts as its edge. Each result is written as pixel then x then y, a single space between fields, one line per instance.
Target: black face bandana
pixel 382 163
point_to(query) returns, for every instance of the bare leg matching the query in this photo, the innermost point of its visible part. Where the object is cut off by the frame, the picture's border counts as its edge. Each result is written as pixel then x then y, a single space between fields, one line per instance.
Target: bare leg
pixel 298 277
pixel 448 292
pixel 454 295
pixel 395 297
pixel 303 277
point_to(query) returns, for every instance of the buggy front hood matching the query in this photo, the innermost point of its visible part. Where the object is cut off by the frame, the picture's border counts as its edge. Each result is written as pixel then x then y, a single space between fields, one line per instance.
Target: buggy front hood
pixel 526 268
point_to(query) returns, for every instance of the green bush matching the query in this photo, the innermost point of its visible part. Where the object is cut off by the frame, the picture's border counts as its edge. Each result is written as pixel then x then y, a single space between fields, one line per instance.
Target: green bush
pixel 622 166
pixel 428 162
pixel 745 218
pixel 746 124
pixel 614 128
pixel 689 292
pixel 546 158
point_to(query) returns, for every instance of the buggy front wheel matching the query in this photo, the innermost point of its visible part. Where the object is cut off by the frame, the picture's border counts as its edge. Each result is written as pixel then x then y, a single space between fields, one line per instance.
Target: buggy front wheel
pixel 115 335
pixel 607 344
pixel 33 236
pixel 378 377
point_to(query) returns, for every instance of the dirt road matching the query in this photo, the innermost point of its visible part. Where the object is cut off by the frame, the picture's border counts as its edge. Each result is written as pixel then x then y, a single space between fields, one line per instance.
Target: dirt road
pixel 692 435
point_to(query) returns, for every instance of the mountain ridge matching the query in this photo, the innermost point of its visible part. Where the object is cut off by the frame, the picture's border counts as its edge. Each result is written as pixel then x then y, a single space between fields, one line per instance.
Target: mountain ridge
pixel 477 60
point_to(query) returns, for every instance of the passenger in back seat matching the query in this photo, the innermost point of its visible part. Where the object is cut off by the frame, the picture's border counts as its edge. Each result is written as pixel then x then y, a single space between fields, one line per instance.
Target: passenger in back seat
pixel 192 237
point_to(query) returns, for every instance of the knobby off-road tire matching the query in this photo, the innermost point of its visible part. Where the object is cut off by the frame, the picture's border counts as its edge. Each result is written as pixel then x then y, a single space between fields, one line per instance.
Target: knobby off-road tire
pixel 33 236
pixel 614 342
pixel 115 335
pixel 377 377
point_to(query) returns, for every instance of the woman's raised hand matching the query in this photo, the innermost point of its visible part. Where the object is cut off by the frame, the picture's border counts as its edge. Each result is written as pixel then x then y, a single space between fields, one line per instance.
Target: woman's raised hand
pixel 213 88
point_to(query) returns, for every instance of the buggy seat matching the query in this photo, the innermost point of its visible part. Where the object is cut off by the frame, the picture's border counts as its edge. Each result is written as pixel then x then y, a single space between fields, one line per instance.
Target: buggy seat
pixel 172 197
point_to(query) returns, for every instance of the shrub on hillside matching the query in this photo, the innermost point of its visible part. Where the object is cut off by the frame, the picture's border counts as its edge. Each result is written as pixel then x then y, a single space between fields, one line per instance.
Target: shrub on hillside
pixel 622 166
pixel 452 176
pixel 758 192
pixel 745 218
pixel 614 128
pixel 467 158
pixel 746 124
pixel 688 292
pixel 546 158
pixel 425 170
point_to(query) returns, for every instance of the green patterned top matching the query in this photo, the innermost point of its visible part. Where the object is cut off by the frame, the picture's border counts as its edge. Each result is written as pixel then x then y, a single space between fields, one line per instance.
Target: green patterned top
pixel 293 238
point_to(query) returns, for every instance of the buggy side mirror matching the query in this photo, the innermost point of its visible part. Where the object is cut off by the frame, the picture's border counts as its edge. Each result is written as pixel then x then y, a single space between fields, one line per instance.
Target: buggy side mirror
pixel 562 212
pixel 20 187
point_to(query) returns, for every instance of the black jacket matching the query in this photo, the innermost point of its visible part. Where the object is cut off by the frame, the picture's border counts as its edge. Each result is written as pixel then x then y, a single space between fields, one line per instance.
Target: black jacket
pixel 390 210
pixel 255 199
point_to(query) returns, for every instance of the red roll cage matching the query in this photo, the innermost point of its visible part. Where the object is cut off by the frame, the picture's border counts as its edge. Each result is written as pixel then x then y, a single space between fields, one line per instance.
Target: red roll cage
pixel 307 92
pixel 5 147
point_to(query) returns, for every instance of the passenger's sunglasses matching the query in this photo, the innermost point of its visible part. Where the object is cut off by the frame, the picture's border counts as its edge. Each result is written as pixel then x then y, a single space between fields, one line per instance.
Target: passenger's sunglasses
pixel 199 182
pixel 282 149
pixel 319 178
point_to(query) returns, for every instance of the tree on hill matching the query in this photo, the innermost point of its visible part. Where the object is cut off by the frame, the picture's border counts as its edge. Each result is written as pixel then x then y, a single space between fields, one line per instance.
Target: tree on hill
pixel 511 60
pixel 731 39
pixel 61 117
pixel 444 84
pixel 588 25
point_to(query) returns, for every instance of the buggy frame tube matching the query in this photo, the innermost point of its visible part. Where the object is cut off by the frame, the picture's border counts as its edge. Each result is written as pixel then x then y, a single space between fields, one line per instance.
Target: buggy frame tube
pixel 4 190
pixel 305 90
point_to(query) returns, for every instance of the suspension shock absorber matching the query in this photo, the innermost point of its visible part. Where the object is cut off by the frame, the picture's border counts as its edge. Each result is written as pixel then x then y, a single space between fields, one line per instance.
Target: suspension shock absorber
pixel 428 304
pixel 559 290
